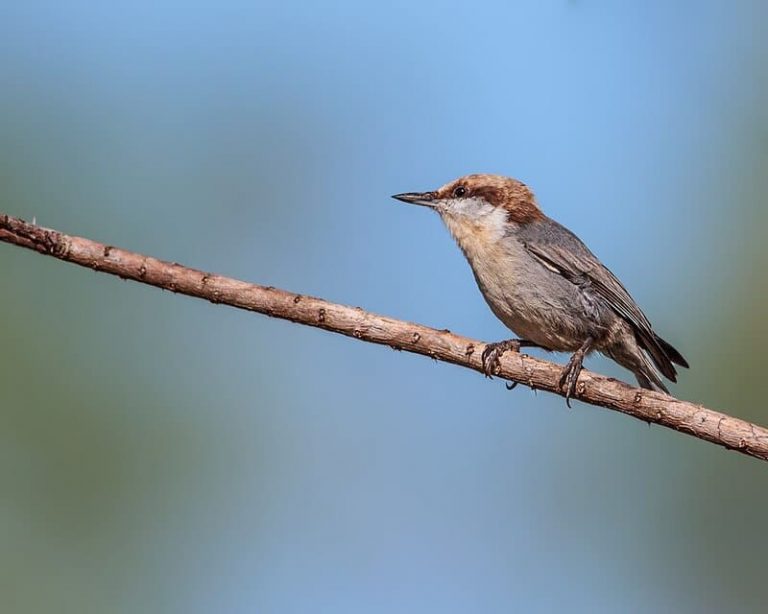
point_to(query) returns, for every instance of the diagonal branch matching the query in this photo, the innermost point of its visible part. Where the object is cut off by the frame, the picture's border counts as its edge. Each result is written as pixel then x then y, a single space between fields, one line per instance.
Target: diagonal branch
pixel 654 407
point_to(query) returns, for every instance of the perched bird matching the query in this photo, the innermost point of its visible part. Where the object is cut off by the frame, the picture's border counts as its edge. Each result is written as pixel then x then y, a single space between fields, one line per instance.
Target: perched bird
pixel 544 284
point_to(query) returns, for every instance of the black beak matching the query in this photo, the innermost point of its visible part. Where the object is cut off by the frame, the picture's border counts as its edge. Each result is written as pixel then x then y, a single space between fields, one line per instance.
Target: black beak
pixel 426 199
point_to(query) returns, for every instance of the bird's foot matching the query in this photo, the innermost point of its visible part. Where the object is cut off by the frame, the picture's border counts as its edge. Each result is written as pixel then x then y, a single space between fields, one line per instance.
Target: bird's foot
pixel 494 351
pixel 569 378
pixel 571 372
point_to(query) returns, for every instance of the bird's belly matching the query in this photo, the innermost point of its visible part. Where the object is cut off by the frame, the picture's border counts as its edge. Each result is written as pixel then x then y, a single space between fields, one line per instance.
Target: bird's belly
pixel 549 313
pixel 549 328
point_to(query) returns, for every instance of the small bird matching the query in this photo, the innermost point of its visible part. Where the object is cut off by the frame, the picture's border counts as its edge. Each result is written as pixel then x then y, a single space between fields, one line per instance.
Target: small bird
pixel 544 284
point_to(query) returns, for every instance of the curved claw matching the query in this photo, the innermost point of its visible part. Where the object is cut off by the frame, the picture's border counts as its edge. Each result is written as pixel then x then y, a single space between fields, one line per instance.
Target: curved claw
pixel 493 352
pixel 572 370
pixel 568 381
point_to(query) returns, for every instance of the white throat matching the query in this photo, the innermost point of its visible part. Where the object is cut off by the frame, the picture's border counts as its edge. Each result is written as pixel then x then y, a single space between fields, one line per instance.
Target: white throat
pixel 475 224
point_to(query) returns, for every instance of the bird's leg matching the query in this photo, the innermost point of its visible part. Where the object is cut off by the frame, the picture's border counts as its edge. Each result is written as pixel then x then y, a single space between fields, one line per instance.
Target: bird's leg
pixel 494 351
pixel 571 371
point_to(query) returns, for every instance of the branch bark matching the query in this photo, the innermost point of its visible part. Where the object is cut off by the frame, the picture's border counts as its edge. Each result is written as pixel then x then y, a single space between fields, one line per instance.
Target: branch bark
pixel 657 408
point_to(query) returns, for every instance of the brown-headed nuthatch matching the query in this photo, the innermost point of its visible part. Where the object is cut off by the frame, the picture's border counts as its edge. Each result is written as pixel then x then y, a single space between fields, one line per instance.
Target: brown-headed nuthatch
pixel 544 284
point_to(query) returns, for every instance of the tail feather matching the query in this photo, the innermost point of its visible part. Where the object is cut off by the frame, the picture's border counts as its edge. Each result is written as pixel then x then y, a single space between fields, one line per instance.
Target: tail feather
pixel 656 351
pixel 663 354
pixel 650 380
pixel 642 363
pixel 648 358
pixel 672 353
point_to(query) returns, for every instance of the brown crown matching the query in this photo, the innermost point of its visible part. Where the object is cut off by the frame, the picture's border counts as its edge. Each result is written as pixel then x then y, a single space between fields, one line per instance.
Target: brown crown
pixel 510 194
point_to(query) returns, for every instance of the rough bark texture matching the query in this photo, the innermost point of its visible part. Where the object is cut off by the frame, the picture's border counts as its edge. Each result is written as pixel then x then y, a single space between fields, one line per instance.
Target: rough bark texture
pixel 654 407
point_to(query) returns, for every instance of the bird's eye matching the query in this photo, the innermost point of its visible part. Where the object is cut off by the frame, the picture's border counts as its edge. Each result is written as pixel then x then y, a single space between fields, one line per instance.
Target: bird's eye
pixel 459 191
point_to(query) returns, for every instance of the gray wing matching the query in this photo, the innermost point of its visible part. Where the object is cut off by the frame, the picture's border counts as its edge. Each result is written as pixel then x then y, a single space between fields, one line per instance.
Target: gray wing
pixel 558 249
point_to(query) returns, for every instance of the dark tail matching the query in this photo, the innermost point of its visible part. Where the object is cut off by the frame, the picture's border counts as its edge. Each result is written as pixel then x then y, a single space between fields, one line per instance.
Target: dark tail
pixel 649 358
pixel 675 356
pixel 660 357
pixel 663 354
pixel 650 380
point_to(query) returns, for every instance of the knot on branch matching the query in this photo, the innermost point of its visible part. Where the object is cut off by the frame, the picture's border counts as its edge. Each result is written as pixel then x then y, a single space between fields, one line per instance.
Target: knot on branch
pixel 45 241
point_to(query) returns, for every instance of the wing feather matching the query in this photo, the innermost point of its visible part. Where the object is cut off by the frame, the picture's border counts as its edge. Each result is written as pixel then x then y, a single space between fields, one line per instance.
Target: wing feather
pixel 558 249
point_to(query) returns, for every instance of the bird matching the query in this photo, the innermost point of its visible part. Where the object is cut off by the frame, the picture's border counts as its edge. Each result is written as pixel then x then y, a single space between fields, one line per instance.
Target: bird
pixel 544 283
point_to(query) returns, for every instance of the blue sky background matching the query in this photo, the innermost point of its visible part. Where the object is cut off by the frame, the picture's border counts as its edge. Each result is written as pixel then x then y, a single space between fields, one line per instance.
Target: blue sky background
pixel 161 454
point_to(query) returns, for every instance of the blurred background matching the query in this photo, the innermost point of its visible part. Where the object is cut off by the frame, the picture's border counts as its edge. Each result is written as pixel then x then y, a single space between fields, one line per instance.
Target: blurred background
pixel 161 454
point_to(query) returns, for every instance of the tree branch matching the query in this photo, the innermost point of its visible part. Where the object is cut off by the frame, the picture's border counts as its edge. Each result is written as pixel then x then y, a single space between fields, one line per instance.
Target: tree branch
pixel 654 407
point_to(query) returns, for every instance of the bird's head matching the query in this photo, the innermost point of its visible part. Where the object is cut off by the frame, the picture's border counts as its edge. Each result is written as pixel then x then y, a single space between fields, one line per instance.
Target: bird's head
pixel 480 200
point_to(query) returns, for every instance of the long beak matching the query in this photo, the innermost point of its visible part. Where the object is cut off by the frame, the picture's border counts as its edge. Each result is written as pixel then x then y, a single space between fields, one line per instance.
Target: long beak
pixel 427 199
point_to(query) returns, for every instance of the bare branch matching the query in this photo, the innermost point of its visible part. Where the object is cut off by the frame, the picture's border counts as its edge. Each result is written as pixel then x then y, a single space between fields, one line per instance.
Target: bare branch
pixel 654 407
